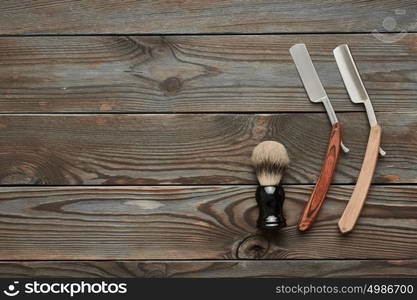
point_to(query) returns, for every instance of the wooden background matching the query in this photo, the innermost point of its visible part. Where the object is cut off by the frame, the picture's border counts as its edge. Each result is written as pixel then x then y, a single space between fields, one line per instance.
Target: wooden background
pixel 126 129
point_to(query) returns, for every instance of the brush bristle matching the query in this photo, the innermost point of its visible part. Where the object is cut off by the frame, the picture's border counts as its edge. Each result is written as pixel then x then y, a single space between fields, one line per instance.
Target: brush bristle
pixel 270 160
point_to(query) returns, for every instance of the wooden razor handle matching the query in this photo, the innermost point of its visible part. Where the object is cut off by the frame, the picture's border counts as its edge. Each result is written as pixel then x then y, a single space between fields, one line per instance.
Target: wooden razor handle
pixel 312 208
pixel 355 204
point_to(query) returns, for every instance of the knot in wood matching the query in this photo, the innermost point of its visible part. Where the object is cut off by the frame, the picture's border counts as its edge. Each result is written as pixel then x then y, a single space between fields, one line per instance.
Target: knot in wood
pixel 171 85
pixel 255 246
pixel 152 270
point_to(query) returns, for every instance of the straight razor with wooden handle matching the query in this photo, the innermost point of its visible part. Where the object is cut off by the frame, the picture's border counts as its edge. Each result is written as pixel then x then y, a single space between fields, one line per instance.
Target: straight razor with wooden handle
pixel 316 93
pixel 358 94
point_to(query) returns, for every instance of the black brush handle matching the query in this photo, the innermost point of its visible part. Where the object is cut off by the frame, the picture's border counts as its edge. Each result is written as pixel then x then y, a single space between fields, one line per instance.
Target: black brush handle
pixel 270 207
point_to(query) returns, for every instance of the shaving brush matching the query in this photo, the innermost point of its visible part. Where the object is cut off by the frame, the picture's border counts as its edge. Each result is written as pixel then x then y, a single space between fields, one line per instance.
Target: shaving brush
pixel 270 159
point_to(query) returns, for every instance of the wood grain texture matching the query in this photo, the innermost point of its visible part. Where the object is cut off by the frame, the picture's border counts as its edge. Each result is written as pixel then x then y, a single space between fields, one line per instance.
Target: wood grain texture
pixel 206 222
pixel 126 149
pixel 120 227
pixel 196 16
pixel 357 200
pixel 316 200
pixel 210 269
pixel 196 73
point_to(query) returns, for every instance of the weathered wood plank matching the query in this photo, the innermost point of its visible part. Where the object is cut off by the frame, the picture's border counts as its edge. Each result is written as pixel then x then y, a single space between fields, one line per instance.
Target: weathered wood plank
pixel 210 269
pixel 166 16
pixel 211 222
pixel 196 73
pixel 191 148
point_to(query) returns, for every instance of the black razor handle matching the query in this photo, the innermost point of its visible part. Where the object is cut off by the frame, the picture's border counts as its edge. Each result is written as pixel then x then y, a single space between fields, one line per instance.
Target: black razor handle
pixel 270 201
